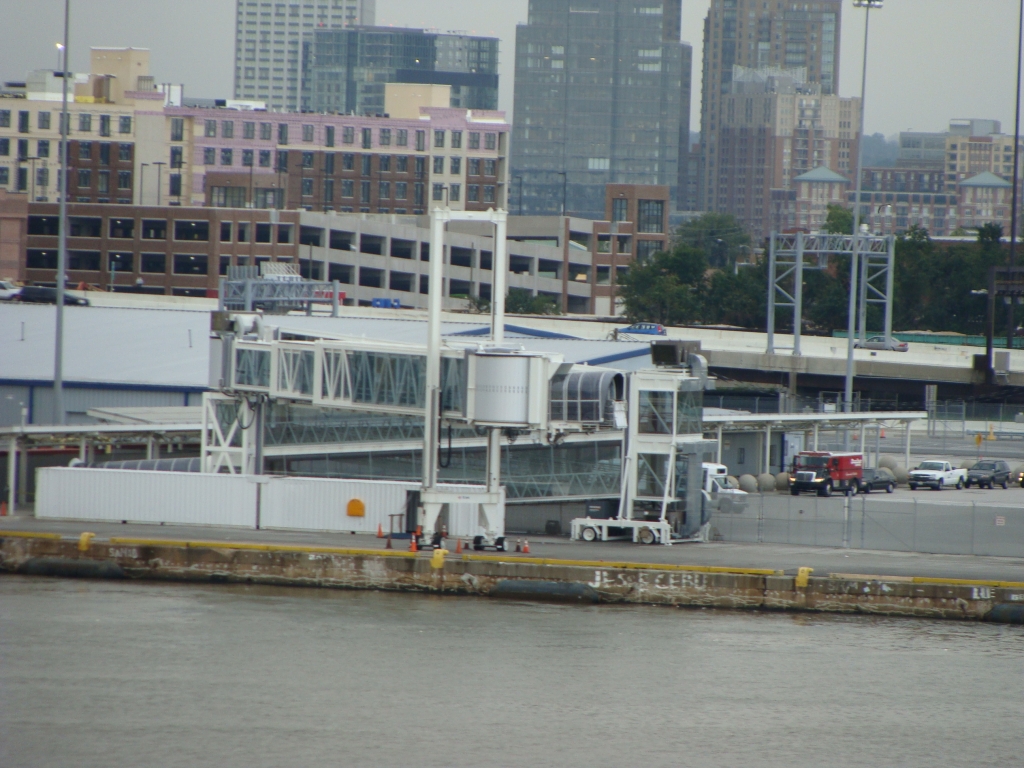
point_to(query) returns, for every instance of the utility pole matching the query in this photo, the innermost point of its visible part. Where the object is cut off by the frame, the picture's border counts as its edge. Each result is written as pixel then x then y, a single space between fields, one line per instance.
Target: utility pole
pixel 62 247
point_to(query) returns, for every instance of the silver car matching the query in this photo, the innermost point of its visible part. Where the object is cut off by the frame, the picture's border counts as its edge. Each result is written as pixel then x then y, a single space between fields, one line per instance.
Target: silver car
pixel 8 290
pixel 880 342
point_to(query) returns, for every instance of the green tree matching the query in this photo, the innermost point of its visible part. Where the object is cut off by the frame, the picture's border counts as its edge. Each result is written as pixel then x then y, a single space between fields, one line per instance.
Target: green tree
pixel 719 236
pixel 652 291
pixel 519 301
pixel 839 220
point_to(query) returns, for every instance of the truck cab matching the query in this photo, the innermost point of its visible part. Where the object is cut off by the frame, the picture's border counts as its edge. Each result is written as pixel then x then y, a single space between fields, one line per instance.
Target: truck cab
pixel 824 472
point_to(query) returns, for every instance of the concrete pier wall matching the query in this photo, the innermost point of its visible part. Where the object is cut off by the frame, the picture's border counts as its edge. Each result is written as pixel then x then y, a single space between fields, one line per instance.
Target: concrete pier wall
pixel 484 575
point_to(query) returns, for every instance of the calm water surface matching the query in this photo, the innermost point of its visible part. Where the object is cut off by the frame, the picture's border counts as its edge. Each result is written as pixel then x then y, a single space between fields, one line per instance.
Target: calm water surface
pixel 111 674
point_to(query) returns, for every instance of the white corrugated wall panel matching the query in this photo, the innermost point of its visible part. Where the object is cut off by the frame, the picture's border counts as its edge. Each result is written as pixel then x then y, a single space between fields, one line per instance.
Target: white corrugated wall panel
pixel 178 498
pixel 316 504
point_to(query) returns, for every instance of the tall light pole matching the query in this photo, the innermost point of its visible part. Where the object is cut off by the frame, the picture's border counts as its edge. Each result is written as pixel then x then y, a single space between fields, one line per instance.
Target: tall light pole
pixel 851 327
pixel 62 246
pixel 142 183
pixel 159 167
pixel 1011 325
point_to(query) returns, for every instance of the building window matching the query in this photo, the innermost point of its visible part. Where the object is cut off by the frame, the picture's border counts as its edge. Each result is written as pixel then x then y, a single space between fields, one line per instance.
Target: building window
pixel 438 165
pixel 490 168
pixel 85 123
pixel 84 178
pixel 104 154
pixel 209 156
pixel 190 264
pixel 174 185
pixel 419 193
pixel 177 129
pixel 456 139
pixel 192 231
pixel 42 148
pixel 647 248
pixel 402 137
pixel 227 129
pixel 5 177
pixel 489 194
pixel 282 160
pixel 401 190
pixel 490 141
pixel 385 137
pixel 364 192
pixel 473 193
pixel 266 131
pixel 85 150
pixel 210 129
pixel 119 262
pixel 384 193
pixel 651 216
pixel 42 177
pixel 384 163
pixel 5 118
pixel 474 140
pixel 5 147
pixel 329 136
pixel 247 158
pixel 348 135
pixel 347 188
pixel 438 192
pixel 307 159
pixel 455 191
pixel 348 162
pixel 228 197
pixel 248 130
pixel 282 133
pixel 402 164
pixel 43 121
pixel 124 179
pixel 124 153
pixel 329 163
pixel 620 209
pixel 264 158
pixel 23 122
pixel 474 167
pixel 367 138
pixel 153 263
pixel 366 160
pixel 307 133
pixel 227 157
pixel 328 190
pixel 421 141
pixel 307 187
pixel 456 166
pixel 439 139
pixel 124 124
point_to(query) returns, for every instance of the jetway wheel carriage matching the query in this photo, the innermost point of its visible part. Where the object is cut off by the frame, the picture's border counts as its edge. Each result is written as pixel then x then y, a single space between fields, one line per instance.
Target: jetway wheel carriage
pixel 638 531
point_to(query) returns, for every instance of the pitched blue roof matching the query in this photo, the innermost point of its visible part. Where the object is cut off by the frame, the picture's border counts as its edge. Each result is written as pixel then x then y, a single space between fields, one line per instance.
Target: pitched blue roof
pixel 821 173
pixel 985 179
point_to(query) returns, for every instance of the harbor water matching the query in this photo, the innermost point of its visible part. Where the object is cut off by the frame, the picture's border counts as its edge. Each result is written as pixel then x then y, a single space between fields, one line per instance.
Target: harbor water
pixel 156 674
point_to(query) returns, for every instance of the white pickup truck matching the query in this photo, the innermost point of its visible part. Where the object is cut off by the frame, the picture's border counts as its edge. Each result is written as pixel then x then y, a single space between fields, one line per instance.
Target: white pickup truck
pixel 937 475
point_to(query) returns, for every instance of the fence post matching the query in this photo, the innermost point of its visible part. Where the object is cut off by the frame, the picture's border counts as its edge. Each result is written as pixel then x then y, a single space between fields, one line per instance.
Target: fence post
pixel 974 518
pixel 846 521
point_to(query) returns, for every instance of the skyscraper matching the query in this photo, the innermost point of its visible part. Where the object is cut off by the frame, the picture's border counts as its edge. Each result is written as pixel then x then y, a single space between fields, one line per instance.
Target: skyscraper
pixel 760 34
pixel 268 44
pixel 602 95
pixel 345 70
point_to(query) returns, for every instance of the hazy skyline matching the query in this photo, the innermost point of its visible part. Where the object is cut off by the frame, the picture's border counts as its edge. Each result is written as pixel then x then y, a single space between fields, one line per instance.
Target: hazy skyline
pixel 930 60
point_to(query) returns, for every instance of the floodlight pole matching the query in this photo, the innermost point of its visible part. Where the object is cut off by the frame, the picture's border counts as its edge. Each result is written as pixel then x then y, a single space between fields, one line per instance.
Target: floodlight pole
pixel 854 256
pixel 1011 325
pixel 62 240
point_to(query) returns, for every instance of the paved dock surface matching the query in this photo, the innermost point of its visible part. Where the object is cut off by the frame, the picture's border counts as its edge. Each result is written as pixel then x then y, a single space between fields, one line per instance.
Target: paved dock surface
pixel 781 557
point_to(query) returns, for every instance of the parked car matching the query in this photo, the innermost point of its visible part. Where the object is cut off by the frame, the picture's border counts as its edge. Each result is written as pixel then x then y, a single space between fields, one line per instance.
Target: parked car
pixel 8 290
pixel 937 475
pixel 645 329
pixel 988 473
pixel 877 480
pixel 880 342
pixel 38 294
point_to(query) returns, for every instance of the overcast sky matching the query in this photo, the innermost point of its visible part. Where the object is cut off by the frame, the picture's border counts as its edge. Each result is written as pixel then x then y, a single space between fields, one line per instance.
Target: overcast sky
pixel 929 61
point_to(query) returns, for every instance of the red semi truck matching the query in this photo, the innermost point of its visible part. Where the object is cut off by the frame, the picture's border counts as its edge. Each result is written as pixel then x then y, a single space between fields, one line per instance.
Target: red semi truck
pixel 824 473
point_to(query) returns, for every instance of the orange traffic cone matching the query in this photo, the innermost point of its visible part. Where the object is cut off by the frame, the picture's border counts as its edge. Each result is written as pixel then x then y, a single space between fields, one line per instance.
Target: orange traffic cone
pixel 458 546
pixel 380 531
pixel 412 544
pixel 519 545
pixel 526 546
pixel 882 436
pixel 3 509
pixel 388 544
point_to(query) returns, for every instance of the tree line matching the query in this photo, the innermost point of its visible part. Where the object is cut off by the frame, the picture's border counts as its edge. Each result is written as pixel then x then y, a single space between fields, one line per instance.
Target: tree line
pixel 697 281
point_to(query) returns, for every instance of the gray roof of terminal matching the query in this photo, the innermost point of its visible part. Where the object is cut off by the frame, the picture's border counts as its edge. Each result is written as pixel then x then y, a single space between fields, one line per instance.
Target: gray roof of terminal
pixel 168 349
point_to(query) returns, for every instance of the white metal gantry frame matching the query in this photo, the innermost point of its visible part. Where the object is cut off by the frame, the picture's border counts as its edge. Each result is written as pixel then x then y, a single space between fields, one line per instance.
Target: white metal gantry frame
pixel 432 499
pixel 790 255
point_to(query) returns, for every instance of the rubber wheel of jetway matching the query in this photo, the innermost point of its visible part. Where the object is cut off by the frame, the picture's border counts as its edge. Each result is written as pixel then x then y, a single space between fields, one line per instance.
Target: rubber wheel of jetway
pixel 646 536
pixel 589 534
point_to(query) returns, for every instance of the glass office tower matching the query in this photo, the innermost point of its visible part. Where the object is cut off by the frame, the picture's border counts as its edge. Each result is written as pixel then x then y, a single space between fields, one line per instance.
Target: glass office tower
pixel 602 95
pixel 345 70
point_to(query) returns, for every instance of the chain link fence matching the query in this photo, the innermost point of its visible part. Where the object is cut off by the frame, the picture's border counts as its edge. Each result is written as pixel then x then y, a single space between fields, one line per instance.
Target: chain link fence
pixel 863 522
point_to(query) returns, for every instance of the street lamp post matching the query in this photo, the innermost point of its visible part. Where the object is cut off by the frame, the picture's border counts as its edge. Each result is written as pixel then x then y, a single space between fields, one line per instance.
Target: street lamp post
pixel 565 188
pixel 1011 325
pixel 851 328
pixel 62 242
pixel 142 183
pixel 159 168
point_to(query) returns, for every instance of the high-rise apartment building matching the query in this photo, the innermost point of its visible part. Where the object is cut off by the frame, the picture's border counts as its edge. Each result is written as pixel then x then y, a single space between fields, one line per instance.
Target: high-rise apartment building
pixel 268 44
pixel 759 34
pixel 774 127
pixel 602 95
pixel 344 71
